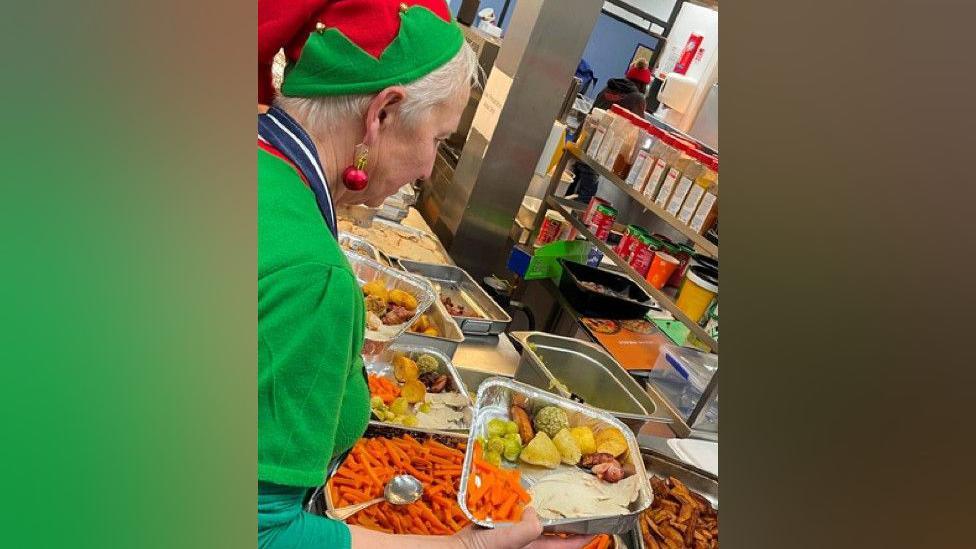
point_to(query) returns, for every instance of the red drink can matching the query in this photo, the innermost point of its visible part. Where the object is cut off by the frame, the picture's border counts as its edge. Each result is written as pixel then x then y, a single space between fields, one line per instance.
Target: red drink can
pixel 594 202
pixel 626 246
pixel 642 255
pixel 602 221
pixel 550 228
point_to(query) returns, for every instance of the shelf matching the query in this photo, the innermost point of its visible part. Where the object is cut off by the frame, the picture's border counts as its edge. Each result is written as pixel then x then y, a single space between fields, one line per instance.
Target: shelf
pixel 565 207
pixel 700 241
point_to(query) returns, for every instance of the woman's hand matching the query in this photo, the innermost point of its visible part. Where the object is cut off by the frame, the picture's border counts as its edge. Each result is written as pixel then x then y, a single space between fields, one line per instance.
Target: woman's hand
pixel 527 533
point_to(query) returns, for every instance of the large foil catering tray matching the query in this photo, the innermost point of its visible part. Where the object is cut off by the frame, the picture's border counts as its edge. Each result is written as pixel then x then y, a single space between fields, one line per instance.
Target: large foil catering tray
pixel 494 401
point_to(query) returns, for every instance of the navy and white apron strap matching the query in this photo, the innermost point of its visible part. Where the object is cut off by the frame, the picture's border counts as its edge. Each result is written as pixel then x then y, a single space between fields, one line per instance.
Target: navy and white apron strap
pixel 282 132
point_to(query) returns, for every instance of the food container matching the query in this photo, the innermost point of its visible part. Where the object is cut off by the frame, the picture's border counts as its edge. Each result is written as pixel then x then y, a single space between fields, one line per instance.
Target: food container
pixel 473 378
pixel 602 221
pixel 494 401
pixel 627 301
pixel 629 239
pixel 392 212
pixel 361 246
pixel 591 207
pixel 451 334
pixel 396 240
pixel 697 292
pixel 697 480
pixel 681 375
pixel 455 283
pixel 570 367
pixel 321 501
pixel 642 255
pixel 382 367
pixel 367 270
pixel 683 254
pixel 662 266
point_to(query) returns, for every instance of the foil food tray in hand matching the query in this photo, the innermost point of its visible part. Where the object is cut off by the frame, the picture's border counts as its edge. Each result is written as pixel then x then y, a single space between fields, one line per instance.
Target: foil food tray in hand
pixel 368 270
pixel 381 366
pixel 494 401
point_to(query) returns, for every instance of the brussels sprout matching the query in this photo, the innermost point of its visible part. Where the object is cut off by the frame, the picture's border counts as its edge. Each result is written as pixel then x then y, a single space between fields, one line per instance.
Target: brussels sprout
pixel 400 406
pixel 497 428
pixel 493 458
pixel 496 444
pixel 512 448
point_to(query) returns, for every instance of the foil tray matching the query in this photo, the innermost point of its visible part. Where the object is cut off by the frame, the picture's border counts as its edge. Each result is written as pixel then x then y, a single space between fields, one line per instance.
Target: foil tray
pixel 447 343
pixel 381 366
pixel 367 270
pixel 352 243
pixel 494 401
pixel 321 501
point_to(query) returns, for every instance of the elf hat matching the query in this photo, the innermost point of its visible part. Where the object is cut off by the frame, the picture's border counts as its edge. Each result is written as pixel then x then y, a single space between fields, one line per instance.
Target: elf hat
pixel 638 72
pixel 338 47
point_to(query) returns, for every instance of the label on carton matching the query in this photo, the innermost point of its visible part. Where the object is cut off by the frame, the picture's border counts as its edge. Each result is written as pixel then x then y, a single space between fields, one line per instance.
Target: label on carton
pixel 691 203
pixel 678 198
pixel 596 142
pixel 654 181
pixel 703 211
pixel 633 178
pixel 667 188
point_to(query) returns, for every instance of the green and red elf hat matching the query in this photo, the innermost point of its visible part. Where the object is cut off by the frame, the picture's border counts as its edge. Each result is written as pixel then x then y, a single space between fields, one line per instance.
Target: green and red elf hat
pixel 338 47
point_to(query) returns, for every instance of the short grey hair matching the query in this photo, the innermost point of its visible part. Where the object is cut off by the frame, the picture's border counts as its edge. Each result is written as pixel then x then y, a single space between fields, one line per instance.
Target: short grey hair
pixel 423 94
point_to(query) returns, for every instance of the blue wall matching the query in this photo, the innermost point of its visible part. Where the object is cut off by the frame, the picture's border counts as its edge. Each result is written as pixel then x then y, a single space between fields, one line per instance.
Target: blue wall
pixel 609 50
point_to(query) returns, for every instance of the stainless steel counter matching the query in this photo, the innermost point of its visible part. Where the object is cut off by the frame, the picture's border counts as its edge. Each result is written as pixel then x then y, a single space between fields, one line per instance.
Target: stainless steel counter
pixel 491 354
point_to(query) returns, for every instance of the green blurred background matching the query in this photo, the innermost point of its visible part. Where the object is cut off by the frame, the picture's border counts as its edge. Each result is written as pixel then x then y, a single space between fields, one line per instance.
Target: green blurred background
pixel 128 222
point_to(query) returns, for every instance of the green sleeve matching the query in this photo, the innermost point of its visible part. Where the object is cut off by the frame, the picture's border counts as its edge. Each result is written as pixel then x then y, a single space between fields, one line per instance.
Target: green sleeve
pixel 283 525
pixel 310 331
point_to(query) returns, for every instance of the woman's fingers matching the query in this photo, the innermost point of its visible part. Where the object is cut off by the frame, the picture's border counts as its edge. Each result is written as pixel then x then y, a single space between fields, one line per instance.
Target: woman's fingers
pixel 514 536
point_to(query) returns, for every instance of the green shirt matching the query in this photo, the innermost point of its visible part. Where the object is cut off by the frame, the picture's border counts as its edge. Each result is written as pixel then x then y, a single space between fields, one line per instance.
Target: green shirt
pixel 313 401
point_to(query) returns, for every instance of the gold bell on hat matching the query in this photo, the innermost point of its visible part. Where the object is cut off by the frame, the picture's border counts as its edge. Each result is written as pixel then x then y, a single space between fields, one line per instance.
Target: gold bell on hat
pixel 320 27
pixel 404 7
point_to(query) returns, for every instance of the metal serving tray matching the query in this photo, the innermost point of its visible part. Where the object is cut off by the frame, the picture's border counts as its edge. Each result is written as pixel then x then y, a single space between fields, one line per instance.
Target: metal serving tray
pixel 367 270
pixel 321 501
pixel 414 233
pixel 587 371
pixel 494 401
pixel 352 243
pixel 382 366
pixel 457 284
pixel 446 343
pixel 701 482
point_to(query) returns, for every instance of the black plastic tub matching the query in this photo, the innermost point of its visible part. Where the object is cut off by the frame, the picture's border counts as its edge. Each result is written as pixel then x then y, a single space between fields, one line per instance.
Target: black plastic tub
pixel 630 302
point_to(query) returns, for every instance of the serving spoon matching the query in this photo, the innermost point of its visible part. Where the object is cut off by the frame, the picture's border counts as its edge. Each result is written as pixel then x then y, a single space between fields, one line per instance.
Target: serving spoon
pixel 401 490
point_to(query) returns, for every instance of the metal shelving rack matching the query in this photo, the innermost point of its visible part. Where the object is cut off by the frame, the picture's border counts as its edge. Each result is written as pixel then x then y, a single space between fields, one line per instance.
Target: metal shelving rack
pixel 567 208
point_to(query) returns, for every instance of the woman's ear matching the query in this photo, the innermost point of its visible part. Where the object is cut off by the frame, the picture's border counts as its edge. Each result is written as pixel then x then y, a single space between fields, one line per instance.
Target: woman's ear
pixel 382 112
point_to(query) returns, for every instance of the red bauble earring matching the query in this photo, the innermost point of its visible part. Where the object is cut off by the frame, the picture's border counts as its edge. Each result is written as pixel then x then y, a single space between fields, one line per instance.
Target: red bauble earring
pixel 355 177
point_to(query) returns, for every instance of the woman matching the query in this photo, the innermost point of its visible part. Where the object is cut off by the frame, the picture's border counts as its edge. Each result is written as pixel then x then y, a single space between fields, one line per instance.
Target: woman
pixel 371 88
